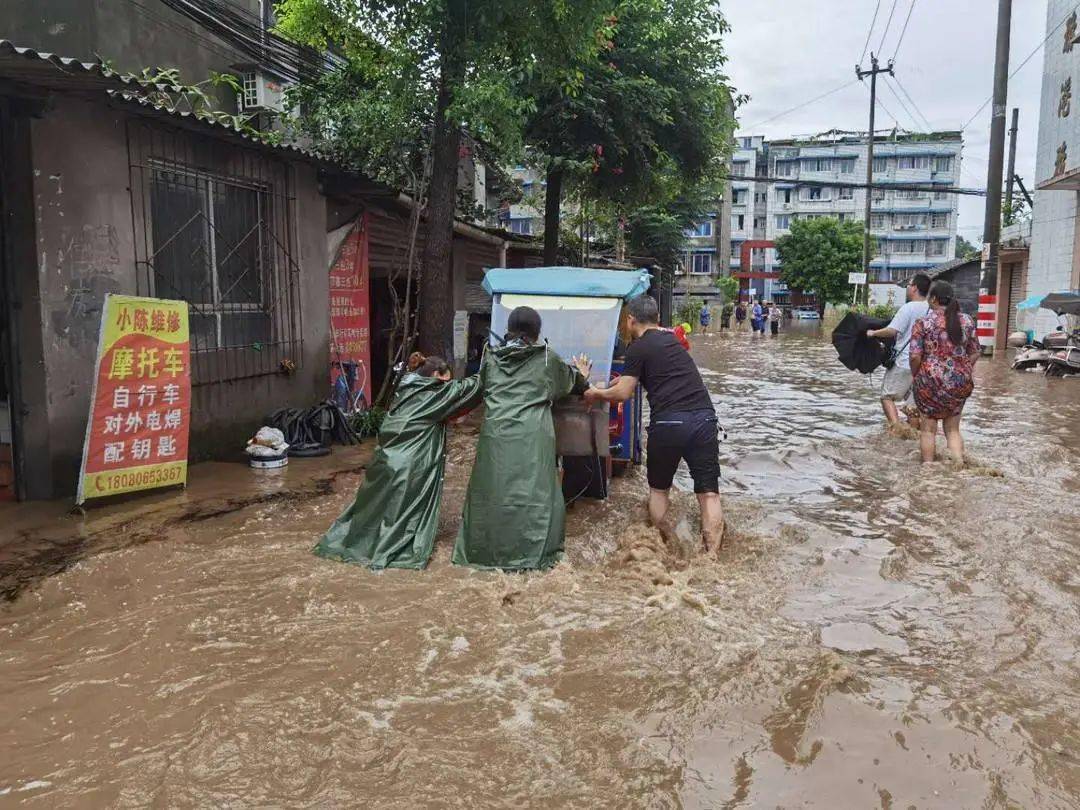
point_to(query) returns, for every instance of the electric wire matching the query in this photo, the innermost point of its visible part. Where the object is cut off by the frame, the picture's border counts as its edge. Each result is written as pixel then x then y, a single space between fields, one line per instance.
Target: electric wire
pixel 1019 67
pixel 899 100
pixel 870 32
pixel 213 46
pixel 888 23
pixel 913 186
pixel 884 109
pixel 903 30
pixel 804 104
pixel 914 106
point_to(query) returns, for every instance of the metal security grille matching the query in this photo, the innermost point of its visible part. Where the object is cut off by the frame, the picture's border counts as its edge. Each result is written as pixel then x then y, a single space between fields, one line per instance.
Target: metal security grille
pixel 213 226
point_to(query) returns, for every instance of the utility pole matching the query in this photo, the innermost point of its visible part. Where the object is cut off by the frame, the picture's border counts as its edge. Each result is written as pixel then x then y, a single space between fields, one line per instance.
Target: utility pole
pixel 987 319
pixel 872 73
pixel 1012 163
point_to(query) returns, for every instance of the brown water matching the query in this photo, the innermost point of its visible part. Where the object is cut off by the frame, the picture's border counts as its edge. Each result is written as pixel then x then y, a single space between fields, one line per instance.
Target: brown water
pixel 874 634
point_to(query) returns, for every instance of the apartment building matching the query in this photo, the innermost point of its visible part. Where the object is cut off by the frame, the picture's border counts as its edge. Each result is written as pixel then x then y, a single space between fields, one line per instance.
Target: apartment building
pixel 713 250
pixel 912 230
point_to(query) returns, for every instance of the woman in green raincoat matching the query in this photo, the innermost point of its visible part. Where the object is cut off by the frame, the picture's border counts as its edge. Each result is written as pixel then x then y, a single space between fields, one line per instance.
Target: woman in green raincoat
pixel 514 511
pixel 392 521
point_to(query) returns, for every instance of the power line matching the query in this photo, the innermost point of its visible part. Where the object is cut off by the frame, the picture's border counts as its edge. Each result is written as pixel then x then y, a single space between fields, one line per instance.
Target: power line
pixel 907 95
pixel 903 30
pixel 903 106
pixel 804 104
pixel 1020 67
pixel 795 181
pixel 888 23
pixel 884 109
pixel 870 32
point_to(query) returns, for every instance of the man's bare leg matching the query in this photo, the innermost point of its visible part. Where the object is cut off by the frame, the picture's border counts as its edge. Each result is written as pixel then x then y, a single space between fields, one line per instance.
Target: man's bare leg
pixel 712 520
pixel 658 509
pixel 889 406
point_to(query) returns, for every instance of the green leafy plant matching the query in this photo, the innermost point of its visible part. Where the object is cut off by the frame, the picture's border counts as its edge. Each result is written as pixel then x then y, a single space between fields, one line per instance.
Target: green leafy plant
pixel 367 423
pixel 728 287
pixel 690 311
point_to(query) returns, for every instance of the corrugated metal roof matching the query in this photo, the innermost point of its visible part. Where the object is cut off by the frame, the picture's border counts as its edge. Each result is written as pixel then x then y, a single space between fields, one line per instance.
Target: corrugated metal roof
pixel 42 69
pixel 50 71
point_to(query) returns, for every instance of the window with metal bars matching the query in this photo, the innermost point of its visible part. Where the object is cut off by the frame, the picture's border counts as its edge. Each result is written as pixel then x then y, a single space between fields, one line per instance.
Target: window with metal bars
pixel 214 226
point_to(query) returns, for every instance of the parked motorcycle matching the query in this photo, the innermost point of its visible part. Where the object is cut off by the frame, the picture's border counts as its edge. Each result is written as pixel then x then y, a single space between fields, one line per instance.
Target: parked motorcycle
pixel 1064 363
pixel 1033 355
pixel 1037 354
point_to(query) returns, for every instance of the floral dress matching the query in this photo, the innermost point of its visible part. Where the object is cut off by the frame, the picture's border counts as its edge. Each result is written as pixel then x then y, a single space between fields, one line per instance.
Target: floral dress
pixel 944 381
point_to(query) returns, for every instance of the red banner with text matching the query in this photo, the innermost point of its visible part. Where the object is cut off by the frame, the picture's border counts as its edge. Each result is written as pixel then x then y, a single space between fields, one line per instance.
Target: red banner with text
pixel 350 320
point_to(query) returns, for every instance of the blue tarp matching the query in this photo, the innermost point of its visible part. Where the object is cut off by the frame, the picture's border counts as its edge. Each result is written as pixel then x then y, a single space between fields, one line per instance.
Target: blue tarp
pixel 567 281
pixel 1033 302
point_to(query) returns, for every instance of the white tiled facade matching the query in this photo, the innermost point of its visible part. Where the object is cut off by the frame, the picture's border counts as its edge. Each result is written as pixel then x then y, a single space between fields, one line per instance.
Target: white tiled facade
pixel 913 230
pixel 1053 231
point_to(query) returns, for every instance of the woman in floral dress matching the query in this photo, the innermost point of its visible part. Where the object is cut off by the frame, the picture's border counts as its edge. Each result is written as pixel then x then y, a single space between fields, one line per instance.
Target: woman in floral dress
pixel 944 348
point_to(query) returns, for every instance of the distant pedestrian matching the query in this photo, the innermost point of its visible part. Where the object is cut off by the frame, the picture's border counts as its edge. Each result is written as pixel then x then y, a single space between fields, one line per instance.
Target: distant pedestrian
pixel 740 315
pixel 775 314
pixel 705 318
pixel 757 319
pixel 725 316
pixel 944 349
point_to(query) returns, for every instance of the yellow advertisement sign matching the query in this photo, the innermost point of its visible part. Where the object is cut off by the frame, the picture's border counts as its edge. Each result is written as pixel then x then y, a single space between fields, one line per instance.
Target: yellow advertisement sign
pixel 137 436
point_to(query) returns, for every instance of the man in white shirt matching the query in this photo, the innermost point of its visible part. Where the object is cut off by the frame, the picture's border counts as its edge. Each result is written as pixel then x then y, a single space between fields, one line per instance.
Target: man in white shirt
pixel 897 383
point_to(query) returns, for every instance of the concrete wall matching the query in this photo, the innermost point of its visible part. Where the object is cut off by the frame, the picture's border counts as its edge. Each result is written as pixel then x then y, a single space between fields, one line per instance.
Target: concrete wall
pixel 85 249
pixel 1053 231
pixel 130 35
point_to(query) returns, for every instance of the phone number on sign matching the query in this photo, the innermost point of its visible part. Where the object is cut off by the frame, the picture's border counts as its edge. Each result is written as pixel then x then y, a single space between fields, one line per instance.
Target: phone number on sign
pixel 126 480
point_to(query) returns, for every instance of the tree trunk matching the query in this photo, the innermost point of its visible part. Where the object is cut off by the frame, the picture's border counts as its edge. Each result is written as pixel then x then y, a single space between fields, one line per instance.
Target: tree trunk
pixel 552 214
pixel 436 299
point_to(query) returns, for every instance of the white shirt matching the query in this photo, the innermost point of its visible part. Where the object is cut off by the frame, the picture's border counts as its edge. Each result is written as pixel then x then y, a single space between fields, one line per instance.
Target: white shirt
pixel 903 322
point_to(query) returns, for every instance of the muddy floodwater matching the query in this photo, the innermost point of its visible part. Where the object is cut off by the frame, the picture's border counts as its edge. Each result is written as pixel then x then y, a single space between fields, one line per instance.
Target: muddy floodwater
pixel 875 633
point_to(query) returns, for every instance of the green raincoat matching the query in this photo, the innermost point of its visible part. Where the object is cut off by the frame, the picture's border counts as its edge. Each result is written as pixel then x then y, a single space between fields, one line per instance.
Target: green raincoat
pixel 392 521
pixel 514 510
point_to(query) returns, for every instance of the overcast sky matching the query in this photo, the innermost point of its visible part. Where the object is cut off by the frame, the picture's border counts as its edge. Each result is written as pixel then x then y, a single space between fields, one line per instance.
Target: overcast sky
pixel 785 52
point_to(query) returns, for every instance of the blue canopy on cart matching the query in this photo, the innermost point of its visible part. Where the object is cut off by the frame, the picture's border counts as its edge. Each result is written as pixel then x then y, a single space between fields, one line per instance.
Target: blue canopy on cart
pixel 579 281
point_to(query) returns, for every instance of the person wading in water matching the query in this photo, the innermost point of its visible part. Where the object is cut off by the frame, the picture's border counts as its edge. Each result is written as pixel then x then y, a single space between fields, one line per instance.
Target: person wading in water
pixel 896 386
pixel 683 420
pixel 392 521
pixel 514 515
pixel 944 350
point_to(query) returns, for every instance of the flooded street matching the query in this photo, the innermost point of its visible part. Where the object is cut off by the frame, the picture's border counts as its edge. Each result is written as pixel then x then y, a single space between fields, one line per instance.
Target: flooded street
pixel 875 633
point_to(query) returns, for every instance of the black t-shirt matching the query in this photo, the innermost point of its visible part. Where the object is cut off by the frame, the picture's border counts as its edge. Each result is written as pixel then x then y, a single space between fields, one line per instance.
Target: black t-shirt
pixel 668 373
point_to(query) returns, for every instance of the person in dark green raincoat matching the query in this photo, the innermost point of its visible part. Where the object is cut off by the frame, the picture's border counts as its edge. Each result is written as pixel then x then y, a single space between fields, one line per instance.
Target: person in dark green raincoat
pixel 514 512
pixel 392 521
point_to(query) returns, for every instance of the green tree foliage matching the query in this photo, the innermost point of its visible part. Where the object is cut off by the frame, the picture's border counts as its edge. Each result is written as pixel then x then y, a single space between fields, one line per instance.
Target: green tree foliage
pixel 729 288
pixel 964 249
pixel 818 254
pixel 652 116
pixel 415 74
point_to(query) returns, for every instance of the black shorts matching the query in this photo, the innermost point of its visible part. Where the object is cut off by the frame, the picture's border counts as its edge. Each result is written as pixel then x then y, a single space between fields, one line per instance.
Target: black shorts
pixel 690 435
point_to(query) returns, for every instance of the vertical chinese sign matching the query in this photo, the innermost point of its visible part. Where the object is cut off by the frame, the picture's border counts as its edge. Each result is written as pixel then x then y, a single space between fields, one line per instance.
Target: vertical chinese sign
pixel 350 315
pixel 137 437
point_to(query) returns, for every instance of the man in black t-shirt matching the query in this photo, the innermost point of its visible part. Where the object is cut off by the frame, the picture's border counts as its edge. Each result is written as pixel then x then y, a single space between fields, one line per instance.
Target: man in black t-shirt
pixel 682 418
